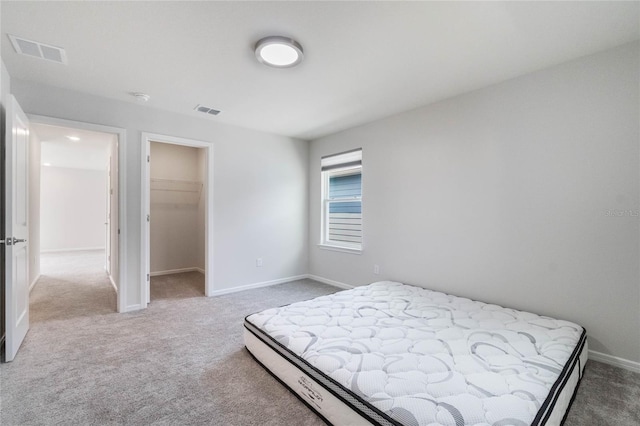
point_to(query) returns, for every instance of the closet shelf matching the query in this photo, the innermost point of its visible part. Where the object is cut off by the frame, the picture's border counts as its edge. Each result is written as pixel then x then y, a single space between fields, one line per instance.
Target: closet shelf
pixel 167 191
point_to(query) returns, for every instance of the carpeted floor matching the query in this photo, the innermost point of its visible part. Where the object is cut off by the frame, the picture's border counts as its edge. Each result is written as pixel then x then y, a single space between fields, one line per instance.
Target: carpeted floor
pixel 182 362
pixel 177 286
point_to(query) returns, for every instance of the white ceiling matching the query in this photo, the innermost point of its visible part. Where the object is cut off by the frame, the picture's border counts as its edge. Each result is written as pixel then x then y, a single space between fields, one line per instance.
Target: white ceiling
pixel 363 60
pixel 91 152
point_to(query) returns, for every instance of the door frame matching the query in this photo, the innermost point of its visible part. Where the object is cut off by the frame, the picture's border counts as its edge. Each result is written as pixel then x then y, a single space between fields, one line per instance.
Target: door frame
pixel 145 269
pixel 107 241
pixel 121 136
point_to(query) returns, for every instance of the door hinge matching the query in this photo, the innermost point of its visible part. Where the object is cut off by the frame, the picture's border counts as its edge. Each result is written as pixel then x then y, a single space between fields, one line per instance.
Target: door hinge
pixel 148 218
pixel 111 191
pixel 118 232
pixel 147 277
pixel 148 158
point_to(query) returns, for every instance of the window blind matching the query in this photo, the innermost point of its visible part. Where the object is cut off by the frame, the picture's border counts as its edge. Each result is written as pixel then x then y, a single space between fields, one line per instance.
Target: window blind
pixel 344 159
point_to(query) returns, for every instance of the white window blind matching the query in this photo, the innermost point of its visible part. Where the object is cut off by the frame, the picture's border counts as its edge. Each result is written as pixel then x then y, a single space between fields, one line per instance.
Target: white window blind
pixel 342 160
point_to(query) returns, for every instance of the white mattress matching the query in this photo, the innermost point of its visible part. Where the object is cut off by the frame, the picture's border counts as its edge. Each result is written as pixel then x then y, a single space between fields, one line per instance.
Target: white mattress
pixel 394 354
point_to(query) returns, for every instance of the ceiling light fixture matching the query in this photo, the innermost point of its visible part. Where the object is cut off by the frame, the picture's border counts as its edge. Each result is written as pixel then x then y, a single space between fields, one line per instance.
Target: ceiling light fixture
pixel 279 52
pixel 73 138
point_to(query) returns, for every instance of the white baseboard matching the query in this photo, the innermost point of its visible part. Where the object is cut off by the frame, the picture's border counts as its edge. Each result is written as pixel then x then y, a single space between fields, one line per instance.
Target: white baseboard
pixel 615 361
pixel 113 283
pixel 33 283
pixel 177 271
pixel 72 249
pixel 330 282
pixel 258 285
pixel 132 308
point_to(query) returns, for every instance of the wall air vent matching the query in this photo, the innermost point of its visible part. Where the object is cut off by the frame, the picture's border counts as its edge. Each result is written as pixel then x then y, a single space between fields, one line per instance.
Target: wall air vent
pixel 206 110
pixel 38 50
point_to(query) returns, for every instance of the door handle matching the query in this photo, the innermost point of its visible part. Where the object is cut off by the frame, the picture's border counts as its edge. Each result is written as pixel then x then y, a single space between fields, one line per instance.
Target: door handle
pixel 12 241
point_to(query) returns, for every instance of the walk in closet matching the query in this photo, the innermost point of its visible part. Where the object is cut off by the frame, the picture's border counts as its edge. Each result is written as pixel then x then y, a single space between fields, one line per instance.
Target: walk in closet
pixel 177 209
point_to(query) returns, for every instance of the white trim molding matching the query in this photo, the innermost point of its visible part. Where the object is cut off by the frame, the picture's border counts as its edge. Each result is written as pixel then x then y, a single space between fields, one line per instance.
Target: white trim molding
pixel 113 284
pixel 72 249
pixel 340 249
pixel 615 361
pixel 330 282
pixel 34 282
pixel 176 271
pixel 258 285
pixel 132 308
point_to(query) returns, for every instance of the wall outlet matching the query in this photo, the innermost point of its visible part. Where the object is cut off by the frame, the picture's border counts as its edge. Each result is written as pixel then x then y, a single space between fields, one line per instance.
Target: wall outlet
pixel 376 269
pixel 259 262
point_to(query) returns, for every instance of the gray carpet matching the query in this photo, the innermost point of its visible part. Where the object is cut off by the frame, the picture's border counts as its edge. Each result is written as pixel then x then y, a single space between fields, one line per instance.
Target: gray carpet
pixel 177 286
pixel 182 362
pixel 72 284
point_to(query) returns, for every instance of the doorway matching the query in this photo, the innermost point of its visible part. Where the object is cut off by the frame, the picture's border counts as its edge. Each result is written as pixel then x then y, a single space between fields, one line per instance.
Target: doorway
pixel 112 257
pixel 74 220
pixel 177 217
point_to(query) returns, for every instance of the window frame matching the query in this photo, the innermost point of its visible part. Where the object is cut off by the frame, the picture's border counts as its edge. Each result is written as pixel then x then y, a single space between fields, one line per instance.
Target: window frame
pixel 325 241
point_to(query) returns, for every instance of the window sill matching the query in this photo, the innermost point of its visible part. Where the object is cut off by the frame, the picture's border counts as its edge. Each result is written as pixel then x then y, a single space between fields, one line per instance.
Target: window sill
pixel 340 249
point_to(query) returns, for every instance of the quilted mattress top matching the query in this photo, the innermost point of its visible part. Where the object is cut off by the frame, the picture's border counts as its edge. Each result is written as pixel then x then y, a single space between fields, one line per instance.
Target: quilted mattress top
pixel 426 358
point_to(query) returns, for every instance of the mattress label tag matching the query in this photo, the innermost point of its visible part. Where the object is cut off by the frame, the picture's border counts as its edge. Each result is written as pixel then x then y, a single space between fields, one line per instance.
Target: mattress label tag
pixel 310 391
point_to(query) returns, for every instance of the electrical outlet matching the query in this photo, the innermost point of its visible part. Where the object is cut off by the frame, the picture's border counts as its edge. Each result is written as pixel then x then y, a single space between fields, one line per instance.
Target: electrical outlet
pixel 259 262
pixel 376 269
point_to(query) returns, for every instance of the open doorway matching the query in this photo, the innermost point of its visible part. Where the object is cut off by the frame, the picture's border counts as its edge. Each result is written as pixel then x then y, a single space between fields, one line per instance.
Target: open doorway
pixel 177 217
pixel 74 221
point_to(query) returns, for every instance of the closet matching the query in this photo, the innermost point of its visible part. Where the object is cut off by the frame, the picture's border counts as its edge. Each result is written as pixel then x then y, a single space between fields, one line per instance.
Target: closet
pixel 177 209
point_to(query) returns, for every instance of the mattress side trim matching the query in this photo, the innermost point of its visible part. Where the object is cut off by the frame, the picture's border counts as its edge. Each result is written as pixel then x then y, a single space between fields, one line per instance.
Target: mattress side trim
pixel 272 374
pixel 547 406
pixel 375 416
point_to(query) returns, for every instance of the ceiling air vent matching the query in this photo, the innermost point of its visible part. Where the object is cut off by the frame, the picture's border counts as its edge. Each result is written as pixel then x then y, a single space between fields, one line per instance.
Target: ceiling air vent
pixel 206 110
pixel 38 50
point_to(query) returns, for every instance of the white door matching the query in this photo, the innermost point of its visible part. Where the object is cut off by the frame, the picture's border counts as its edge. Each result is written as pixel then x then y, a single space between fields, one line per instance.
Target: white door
pixel 16 230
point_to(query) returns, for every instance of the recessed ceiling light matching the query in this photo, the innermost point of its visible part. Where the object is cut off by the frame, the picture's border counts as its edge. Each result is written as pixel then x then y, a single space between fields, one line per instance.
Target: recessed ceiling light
pixel 279 52
pixel 73 138
pixel 46 164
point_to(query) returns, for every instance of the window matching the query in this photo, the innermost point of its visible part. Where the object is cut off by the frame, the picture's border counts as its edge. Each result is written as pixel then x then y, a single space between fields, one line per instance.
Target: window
pixel 342 200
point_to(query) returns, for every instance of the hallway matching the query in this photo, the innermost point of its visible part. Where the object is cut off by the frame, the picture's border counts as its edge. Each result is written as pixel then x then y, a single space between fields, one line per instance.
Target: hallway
pixel 72 284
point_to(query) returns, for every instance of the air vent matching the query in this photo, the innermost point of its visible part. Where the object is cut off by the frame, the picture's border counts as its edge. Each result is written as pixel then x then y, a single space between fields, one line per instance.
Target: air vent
pixel 206 110
pixel 38 50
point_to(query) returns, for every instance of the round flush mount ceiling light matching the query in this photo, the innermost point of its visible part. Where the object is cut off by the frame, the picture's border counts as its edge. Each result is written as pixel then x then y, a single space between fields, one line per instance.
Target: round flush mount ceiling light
pixel 279 52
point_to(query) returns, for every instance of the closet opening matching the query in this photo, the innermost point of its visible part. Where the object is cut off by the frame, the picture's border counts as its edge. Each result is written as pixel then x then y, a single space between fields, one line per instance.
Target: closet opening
pixel 177 219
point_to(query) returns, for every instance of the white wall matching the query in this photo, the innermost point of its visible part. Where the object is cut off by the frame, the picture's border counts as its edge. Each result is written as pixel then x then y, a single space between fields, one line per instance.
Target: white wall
pixel 503 195
pixel 174 237
pixel 34 208
pixel 73 209
pixel 253 172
